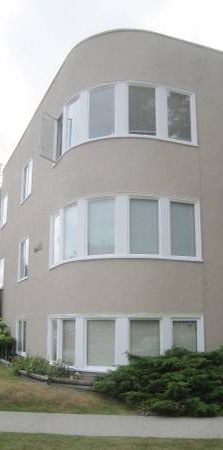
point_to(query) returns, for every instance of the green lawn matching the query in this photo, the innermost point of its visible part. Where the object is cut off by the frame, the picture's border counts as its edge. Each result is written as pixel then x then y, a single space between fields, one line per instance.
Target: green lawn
pixel 14 441
pixel 21 394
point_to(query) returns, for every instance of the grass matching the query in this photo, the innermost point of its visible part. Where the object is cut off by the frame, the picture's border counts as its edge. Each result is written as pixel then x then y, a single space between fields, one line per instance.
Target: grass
pixel 20 394
pixel 11 441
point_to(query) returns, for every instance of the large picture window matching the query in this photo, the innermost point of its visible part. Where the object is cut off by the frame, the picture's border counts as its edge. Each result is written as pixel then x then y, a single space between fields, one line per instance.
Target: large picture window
pixel 142 110
pixel 144 226
pixel 101 226
pixel 100 342
pixel 182 229
pixel 185 334
pixel 101 116
pixel 144 337
pixel 179 116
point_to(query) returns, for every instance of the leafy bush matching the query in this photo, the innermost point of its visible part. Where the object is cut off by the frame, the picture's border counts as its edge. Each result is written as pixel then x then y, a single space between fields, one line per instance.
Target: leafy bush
pixel 38 365
pixel 7 343
pixel 179 383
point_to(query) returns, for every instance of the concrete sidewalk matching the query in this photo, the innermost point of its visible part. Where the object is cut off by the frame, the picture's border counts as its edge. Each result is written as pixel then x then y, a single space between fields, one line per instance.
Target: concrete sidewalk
pixel 101 425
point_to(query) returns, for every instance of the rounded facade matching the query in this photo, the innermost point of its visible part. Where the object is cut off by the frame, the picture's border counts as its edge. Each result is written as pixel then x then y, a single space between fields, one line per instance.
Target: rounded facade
pixel 112 239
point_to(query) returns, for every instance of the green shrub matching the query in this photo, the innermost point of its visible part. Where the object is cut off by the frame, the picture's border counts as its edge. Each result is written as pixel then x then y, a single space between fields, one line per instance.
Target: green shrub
pixel 38 365
pixel 179 383
pixel 7 343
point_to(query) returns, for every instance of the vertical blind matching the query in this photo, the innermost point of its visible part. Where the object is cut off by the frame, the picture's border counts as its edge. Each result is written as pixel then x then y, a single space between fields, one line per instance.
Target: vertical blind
pixel 182 229
pixel 142 115
pixel 185 334
pixel 102 112
pixel 70 245
pixel 100 342
pixel 144 226
pixel 179 122
pixel 101 227
pixel 68 356
pixel 144 337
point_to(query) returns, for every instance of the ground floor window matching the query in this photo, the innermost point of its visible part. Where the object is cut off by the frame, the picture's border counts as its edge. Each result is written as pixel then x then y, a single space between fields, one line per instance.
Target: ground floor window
pixel 21 337
pixel 99 343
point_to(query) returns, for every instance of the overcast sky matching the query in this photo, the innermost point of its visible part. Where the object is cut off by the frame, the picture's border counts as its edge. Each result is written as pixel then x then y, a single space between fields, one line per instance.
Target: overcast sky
pixel 36 35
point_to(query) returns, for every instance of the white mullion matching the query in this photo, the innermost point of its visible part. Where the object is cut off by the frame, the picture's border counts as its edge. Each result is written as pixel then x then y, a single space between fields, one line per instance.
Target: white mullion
pixel 84 116
pixel 121 225
pixel 166 340
pixel 164 227
pixel 161 113
pixel 82 229
pixel 59 339
pixel 121 340
pixel 121 109
pixel 197 220
pixel 80 342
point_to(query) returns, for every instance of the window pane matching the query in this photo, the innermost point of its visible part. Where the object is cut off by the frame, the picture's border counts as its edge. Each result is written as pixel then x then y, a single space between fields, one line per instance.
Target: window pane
pixel 54 341
pixel 70 232
pixel 101 122
pixel 179 121
pixel 56 238
pixel 142 115
pixel 182 229
pixel 2 263
pixel 144 337
pixel 59 137
pixel 185 334
pixel 68 342
pixel 24 337
pixel 101 343
pixel 24 257
pixel 20 336
pixel 73 123
pixel 4 210
pixel 101 227
pixel 144 226
pixel 27 180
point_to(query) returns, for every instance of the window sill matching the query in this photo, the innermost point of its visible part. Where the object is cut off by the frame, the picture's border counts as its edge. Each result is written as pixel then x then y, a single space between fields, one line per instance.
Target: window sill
pixel 131 136
pixel 135 256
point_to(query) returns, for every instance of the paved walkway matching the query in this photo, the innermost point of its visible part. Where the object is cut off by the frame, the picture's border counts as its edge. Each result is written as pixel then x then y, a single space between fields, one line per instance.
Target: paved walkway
pixel 100 425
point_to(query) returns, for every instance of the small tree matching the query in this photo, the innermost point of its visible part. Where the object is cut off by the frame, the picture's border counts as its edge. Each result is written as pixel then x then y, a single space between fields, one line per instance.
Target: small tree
pixel 7 342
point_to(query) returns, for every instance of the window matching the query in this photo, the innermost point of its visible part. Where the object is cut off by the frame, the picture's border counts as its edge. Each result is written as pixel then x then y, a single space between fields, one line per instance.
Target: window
pixel 182 229
pixel 144 226
pixel 142 114
pixel 101 116
pixel 185 334
pixel 59 144
pixel 56 238
pixel 2 265
pixel 54 333
pixel 4 210
pixel 70 246
pixel 73 123
pixel 101 227
pixel 27 180
pixel 68 342
pixel 144 337
pixel 179 116
pixel 23 259
pixel 21 337
pixel 100 342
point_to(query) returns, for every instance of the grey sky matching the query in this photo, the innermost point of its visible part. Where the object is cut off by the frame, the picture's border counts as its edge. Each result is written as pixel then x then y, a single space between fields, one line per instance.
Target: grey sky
pixel 36 35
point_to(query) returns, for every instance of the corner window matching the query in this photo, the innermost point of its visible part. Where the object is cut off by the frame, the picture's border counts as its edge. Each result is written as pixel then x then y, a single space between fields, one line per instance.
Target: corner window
pixel 182 229
pixel 142 111
pixel 21 337
pixel 101 343
pixel 102 112
pixel 179 116
pixel 2 266
pixel 4 211
pixel 23 259
pixel 144 226
pixel 144 337
pixel 185 334
pixel 101 227
pixel 27 180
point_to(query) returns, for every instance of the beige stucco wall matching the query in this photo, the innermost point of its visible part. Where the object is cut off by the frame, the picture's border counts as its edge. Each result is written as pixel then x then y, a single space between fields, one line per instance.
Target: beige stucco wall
pixel 120 165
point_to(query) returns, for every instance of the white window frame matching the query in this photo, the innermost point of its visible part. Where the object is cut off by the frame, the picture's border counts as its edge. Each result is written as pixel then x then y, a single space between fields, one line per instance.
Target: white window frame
pixel 21 353
pixel 4 211
pixel 25 195
pixel 122 229
pixel 2 263
pixel 121 113
pixel 122 335
pixel 26 241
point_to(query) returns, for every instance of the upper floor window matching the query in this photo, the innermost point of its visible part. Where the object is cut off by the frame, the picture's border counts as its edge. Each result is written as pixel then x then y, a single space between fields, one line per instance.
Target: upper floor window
pixel 179 116
pixel 59 144
pixel 142 110
pixel 27 180
pixel 23 259
pixel 73 122
pixel 2 266
pixel 4 211
pixel 126 226
pixel 102 112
